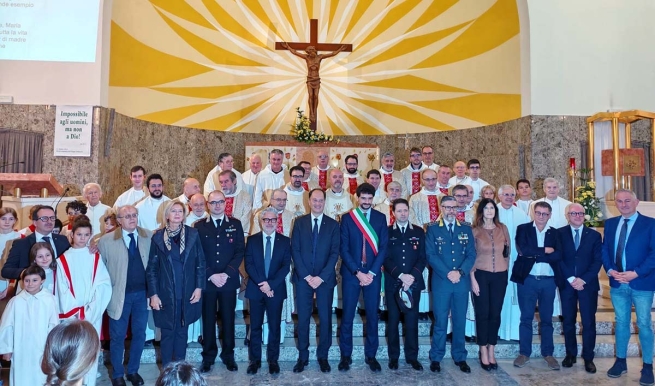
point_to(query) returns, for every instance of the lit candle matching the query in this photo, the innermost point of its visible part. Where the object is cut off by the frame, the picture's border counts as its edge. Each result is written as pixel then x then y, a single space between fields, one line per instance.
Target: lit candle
pixel 572 162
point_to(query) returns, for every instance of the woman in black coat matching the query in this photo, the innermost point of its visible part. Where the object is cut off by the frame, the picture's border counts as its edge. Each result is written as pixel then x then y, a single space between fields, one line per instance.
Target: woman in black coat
pixel 176 278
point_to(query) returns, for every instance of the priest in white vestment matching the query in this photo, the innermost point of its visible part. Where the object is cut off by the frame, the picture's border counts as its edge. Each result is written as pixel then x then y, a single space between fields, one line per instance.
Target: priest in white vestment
pixel 190 187
pixel 321 169
pixel 524 195
pixel 310 181
pixel 557 204
pixel 137 192
pixel 351 177
pixel 297 197
pixel 95 210
pixel 150 208
pixel 427 155
pixel 272 177
pixel 249 177
pixel 374 177
pixel 225 162
pixel 237 201
pixel 474 178
pixel 198 209
pixel 460 177
pixel 389 174
pixel 412 173
pixel 394 192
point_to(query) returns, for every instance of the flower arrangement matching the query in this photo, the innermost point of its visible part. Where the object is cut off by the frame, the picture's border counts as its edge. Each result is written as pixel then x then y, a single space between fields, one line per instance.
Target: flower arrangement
pixel 303 133
pixel 585 195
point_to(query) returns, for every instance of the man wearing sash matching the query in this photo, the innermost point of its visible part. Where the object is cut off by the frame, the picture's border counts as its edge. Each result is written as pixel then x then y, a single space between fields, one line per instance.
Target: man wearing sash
pixel 387 164
pixel 297 197
pixel 412 173
pixel 424 205
pixel 363 250
pixel 394 190
pixel 461 193
pixel 237 200
pixel 321 169
pixel 310 182
pixel 352 177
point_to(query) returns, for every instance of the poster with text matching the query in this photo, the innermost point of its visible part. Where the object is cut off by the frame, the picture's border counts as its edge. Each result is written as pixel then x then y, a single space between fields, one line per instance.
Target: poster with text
pixel 73 131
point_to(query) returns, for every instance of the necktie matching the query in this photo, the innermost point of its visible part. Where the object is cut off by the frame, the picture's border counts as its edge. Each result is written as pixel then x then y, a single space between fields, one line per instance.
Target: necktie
pixel 450 229
pixel 46 239
pixel 314 238
pixel 267 255
pixel 364 246
pixel 621 246
pixel 577 239
pixel 218 223
pixel 133 251
pixel 402 230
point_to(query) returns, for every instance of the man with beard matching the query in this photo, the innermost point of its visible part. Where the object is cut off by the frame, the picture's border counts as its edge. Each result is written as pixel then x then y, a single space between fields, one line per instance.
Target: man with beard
pixel 322 168
pixel 412 173
pixel 374 178
pixel 394 190
pixel 351 176
pixel 150 215
pixel 271 178
pixel 198 209
pixel 450 251
pixel 237 201
pixel 225 162
pixel 363 250
pixel 190 187
pixel 389 174
pixel 297 197
pixel 249 177
pixel 443 179
pixel 310 182
pixel 338 201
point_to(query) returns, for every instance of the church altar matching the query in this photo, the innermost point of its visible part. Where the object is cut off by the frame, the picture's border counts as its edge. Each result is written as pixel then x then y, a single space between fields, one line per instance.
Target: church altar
pixel 368 155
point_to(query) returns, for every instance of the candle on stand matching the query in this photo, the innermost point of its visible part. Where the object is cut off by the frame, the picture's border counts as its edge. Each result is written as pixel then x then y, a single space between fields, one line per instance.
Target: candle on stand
pixel 572 163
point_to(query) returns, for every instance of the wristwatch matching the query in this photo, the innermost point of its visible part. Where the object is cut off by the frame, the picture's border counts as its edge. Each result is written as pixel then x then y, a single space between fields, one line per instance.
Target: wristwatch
pixel 356 272
pixel 461 272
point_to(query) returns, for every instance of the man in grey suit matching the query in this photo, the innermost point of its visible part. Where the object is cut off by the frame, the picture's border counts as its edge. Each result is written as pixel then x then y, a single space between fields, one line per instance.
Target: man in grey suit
pixel 125 253
pixel 314 250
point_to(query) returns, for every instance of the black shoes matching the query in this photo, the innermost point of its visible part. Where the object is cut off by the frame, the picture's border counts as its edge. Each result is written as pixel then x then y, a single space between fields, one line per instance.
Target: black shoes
pixel 589 366
pixel 205 367
pixel 118 382
pixel 568 361
pixel 393 364
pixel 373 364
pixel 463 366
pixel 135 379
pixel 273 367
pixel 435 367
pixel 416 365
pixel 344 364
pixel 300 366
pixel 253 367
pixel 230 365
pixel 324 365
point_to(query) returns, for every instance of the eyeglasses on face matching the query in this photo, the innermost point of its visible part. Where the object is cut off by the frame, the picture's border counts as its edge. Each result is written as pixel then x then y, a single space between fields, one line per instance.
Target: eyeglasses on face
pixel 219 202
pixel 449 207
pixel 541 214
pixel 269 220
pixel 47 218
pixel 578 214
pixel 129 215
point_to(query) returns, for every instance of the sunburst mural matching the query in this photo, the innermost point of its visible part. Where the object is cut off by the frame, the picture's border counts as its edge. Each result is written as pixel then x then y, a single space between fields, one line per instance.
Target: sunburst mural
pixel 415 66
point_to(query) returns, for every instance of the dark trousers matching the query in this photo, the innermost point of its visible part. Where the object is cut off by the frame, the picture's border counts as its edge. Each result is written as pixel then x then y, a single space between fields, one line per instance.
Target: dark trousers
pixel 174 341
pixel 224 302
pixel 588 306
pixel 351 291
pixel 448 300
pixel 489 305
pixel 531 292
pixel 393 323
pixel 273 308
pixel 135 305
pixel 305 305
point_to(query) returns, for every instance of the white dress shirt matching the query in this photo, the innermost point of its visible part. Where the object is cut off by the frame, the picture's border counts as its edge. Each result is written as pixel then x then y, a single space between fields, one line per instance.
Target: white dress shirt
pixel 541 269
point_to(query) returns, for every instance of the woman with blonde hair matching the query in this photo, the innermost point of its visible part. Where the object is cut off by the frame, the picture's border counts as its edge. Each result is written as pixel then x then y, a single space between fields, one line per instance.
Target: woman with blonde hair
pixel 70 352
pixel 8 218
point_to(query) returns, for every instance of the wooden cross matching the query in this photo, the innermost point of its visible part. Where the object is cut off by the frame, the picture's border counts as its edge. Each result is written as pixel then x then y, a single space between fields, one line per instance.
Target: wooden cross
pixel 313 60
pixel 406 138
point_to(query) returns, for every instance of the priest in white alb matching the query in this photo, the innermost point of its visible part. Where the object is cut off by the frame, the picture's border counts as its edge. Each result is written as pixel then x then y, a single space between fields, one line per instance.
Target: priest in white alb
pixel 225 162
pixel 190 187
pixel 95 210
pixel 557 203
pixel 137 192
pixel 352 179
pixel 150 208
pixel 297 196
pixel 237 200
pixel 322 168
pixel 412 173
pixel 394 192
pixel 374 177
pixel 272 177
pixel 249 177
pixel 198 209
pixel 387 164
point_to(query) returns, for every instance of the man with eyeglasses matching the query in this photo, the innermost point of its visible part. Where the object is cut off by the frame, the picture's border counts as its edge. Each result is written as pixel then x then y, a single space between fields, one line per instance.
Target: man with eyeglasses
pixel 389 174
pixel 578 284
pixel 297 196
pixel 225 162
pixel 475 181
pixel 512 217
pixel 412 173
pixel 427 155
pixel 150 208
pixel 461 194
pixel 450 251
pixel 352 176
pixel 223 244
pixel 43 219
pixel 540 253
pixel 125 254
pixel 270 178
pixel 237 200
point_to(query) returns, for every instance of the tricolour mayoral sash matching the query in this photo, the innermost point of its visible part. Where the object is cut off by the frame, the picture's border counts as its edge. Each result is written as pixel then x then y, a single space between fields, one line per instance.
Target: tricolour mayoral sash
pixel 365 227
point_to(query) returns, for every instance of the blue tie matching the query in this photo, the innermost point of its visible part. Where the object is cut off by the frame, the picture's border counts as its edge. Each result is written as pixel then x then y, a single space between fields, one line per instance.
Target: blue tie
pixel 132 249
pixel 577 239
pixel 621 247
pixel 314 238
pixel 450 229
pixel 267 256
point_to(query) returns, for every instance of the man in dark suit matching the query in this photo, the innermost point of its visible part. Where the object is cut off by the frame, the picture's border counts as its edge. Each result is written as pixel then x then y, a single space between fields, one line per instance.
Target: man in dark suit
pixel 629 260
pixel 450 250
pixel 537 243
pixel 267 261
pixel 18 259
pixel 223 243
pixel 315 250
pixel 403 267
pixel 363 250
pixel 577 280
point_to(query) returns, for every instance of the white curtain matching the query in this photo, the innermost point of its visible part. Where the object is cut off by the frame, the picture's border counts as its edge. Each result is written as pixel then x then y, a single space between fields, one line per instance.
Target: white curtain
pixel 603 141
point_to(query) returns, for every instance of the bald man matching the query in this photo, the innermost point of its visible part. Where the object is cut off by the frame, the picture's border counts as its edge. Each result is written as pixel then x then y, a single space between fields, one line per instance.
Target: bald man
pixel 190 187
pixel 249 177
pixel 198 206
pixel 321 169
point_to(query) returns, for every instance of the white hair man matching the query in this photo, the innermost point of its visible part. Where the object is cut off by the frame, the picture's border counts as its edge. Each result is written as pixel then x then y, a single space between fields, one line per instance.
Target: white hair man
pixel 558 204
pixel 198 211
pixel 460 177
pixel 322 168
pixel 387 164
pixel 237 201
pixel 270 178
pixel 250 176
pixel 95 210
pixel 225 162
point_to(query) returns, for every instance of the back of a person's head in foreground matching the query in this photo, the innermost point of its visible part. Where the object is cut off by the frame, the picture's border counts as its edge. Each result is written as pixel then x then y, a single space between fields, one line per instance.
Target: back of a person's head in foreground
pixel 180 374
pixel 70 351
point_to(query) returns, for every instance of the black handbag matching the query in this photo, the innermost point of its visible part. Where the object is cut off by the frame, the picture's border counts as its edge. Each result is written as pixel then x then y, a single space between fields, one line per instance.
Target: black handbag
pixel 506 251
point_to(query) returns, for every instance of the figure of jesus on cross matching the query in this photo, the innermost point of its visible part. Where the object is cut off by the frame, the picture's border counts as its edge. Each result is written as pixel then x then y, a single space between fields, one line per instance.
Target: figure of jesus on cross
pixel 313 59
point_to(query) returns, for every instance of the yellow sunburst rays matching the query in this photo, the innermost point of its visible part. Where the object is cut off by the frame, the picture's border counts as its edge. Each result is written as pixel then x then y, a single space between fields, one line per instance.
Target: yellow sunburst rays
pixel 417 65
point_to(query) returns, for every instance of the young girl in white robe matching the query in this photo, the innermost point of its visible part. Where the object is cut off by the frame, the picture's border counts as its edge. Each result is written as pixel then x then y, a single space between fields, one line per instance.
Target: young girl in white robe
pixel 24 328
pixel 42 255
pixel 83 285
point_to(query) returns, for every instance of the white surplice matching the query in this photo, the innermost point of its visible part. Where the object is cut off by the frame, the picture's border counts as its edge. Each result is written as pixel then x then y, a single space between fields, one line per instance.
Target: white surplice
pixel 150 217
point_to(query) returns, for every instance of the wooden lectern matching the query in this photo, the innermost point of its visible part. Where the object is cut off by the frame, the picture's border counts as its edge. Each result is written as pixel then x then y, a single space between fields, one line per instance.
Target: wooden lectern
pixel 30 190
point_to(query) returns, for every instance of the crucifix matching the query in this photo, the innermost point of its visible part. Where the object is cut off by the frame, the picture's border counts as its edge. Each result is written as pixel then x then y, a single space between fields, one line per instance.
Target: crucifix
pixel 313 60
pixel 406 138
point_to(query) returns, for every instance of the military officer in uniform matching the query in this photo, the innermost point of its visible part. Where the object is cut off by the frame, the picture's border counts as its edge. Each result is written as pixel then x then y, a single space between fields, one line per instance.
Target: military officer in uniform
pixel 450 251
pixel 224 246
pixel 403 267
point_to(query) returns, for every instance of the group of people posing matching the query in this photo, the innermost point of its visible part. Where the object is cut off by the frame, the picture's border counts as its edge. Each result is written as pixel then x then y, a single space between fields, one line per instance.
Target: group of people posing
pixel 284 240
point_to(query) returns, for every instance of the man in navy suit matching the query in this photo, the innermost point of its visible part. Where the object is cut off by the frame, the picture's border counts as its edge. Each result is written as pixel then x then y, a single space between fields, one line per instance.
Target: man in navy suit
pixel 18 259
pixel 537 243
pixel 267 261
pixel 222 242
pixel 629 260
pixel 577 280
pixel 363 250
pixel 315 250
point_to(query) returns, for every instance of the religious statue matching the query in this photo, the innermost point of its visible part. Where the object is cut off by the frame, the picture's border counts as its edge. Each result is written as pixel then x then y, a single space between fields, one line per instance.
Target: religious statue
pixel 313 60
